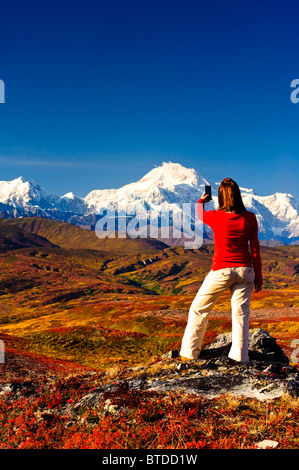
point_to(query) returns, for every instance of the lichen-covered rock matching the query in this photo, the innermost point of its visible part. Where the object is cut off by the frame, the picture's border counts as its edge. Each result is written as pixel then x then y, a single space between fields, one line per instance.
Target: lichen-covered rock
pixel 268 375
pixel 262 347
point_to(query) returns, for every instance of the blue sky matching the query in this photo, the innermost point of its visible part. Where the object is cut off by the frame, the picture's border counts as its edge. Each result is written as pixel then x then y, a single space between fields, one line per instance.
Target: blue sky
pixel 99 92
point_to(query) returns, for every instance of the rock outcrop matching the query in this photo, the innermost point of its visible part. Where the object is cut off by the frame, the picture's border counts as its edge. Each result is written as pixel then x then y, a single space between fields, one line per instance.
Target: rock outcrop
pixel 262 347
pixel 268 375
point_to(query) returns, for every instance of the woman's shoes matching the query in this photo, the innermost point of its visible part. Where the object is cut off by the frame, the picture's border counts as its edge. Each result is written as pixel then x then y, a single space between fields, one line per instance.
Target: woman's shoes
pixel 185 359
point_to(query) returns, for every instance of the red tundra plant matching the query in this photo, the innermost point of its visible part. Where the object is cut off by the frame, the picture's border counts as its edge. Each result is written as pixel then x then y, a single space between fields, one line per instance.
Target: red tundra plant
pixel 130 419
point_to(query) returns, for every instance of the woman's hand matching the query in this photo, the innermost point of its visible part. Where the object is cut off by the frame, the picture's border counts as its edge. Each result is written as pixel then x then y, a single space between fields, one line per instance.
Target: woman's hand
pixel 204 196
pixel 258 287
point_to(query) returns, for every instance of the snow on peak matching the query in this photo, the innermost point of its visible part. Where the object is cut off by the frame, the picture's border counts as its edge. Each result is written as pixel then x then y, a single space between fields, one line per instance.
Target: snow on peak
pixel 247 190
pixel 15 189
pixel 69 195
pixel 21 180
pixel 21 192
pixel 171 174
pixel 167 184
pixel 71 203
pixel 18 180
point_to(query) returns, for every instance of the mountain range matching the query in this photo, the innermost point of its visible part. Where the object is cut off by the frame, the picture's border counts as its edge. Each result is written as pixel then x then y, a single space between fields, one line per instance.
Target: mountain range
pixel 168 186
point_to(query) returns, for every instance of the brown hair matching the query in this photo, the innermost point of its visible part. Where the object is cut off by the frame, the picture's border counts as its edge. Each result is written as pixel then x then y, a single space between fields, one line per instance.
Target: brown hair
pixel 229 197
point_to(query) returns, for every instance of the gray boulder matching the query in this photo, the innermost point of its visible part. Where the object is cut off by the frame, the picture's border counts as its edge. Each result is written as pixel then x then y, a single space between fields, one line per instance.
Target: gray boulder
pixel 262 347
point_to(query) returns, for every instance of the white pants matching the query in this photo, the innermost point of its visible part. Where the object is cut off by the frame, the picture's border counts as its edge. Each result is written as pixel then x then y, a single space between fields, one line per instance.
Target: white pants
pixel 240 281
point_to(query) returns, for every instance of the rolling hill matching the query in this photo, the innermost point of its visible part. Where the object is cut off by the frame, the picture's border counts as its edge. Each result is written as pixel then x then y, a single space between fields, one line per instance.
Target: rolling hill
pixel 67 235
pixel 13 237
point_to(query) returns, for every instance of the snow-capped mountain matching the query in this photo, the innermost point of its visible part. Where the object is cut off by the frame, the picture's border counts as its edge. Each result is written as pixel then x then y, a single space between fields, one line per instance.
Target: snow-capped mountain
pixel 170 186
pixel 71 203
pixel 21 197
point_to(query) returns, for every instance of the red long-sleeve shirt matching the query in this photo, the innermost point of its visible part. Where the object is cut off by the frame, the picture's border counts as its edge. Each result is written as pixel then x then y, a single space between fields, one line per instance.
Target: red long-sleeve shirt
pixel 234 235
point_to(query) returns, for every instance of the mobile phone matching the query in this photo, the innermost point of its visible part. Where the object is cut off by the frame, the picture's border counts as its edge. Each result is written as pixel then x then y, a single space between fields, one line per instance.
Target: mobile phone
pixel 208 190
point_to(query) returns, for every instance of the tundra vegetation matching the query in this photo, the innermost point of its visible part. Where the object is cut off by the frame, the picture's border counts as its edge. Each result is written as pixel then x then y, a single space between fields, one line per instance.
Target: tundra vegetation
pixel 73 319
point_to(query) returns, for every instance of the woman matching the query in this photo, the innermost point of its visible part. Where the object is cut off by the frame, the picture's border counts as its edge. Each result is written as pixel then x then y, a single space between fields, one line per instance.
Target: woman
pixel 234 229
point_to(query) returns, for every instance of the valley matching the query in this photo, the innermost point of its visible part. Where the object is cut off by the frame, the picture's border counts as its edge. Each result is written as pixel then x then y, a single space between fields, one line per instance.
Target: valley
pixel 83 319
pixel 100 306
